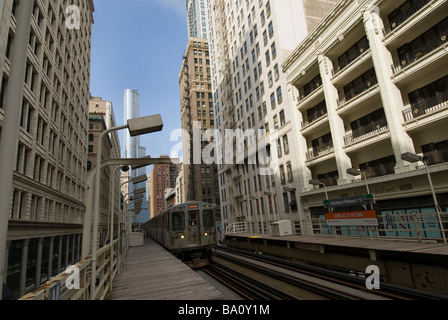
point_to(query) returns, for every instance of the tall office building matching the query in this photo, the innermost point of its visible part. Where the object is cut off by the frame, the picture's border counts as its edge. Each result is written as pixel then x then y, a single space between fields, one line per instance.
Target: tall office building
pixel 249 40
pixel 51 103
pixel 162 177
pixel 370 84
pixel 132 147
pixel 197 19
pixel 200 179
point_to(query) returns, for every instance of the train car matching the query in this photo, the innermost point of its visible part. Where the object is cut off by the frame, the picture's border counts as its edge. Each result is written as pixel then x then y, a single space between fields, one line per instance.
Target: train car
pixel 187 230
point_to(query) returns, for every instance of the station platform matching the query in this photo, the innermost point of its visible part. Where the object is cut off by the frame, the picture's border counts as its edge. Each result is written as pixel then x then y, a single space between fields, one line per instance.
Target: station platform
pixel 419 265
pixel 152 273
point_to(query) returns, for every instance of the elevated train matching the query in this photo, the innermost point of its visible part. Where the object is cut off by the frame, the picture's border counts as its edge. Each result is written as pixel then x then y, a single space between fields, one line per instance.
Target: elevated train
pixel 187 230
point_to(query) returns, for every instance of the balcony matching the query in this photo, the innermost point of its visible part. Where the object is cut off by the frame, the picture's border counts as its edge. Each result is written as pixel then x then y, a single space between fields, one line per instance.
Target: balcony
pixel 318 153
pixel 351 58
pixel 358 90
pixel 425 107
pixel 404 16
pixel 366 132
pixel 418 53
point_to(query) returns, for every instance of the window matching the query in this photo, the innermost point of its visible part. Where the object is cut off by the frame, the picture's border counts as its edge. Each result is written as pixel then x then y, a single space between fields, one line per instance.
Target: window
pixel 282 118
pixel 279 95
pixel 279 148
pixel 289 172
pixel 329 178
pixel 274 51
pixel 351 54
pixel 271 29
pixel 282 174
pixel 360 84
pixel 429 96
pixel 436 152
pixel 178 221
pixel 379 167
pixel 273 104
pixel 268 58
pixel 369 123
pixel 312 85
pixel 276 72
pixel 275 122
pixel 285 144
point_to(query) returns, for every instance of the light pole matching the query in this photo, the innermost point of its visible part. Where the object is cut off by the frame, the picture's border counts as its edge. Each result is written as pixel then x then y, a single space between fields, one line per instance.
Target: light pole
pixel 86 244
pixel 136 127
pixel 411 157
pixel 318 183
pixel 355 172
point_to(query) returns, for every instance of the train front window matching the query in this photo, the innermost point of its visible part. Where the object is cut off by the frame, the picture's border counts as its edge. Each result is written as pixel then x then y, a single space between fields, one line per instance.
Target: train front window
pixel 207 218
pixel 193 217
pixel 178 222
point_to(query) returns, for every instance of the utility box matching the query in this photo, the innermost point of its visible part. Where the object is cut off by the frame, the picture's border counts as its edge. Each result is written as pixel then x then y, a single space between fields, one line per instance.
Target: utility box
pixel 282 228
pixel 135 239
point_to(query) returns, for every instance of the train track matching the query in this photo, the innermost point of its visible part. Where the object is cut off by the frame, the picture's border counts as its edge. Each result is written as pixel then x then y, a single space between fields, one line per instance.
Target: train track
pixel 256 277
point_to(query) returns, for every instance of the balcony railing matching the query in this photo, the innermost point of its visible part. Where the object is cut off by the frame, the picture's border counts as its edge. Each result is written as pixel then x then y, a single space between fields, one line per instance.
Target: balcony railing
pixel 430 45
pixel 323 150
pixel 356 91
pixel 338 67
pixel 314 119
pixel 365 133
pixel 426 106
pixel 405 15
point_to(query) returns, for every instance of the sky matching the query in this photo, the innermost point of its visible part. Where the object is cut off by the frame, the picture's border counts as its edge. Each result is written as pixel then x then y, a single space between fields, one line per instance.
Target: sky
pixel 140 43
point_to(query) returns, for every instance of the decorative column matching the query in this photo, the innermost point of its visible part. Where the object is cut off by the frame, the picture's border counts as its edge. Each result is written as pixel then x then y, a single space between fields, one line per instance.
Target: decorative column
pixel 23 266
pixel 337 129
pixel 39 261
pixel 390 94
pixel 50 258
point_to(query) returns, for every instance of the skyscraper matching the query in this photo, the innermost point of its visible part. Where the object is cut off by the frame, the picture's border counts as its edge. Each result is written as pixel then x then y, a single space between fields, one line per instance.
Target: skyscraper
pixel 132 147
pixel 162 177
pixel 44 107
pixel 197 19
pixel 248 42
pixel 201 179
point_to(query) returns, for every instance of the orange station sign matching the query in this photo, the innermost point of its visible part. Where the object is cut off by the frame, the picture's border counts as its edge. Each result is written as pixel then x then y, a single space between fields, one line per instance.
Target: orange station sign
pixel 362 218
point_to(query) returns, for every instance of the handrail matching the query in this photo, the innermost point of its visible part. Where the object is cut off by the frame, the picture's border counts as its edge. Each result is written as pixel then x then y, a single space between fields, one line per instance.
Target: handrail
pixel 56 288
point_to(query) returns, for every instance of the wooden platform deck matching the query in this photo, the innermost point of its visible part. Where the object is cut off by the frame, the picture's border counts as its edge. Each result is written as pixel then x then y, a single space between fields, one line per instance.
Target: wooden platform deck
pixel 152 273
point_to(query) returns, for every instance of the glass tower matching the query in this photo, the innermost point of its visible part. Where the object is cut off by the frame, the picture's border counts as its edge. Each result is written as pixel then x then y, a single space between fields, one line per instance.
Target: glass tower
pixel 197 19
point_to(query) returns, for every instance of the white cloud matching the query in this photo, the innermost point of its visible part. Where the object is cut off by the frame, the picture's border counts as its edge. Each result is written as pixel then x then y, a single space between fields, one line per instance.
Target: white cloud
pixel 177 6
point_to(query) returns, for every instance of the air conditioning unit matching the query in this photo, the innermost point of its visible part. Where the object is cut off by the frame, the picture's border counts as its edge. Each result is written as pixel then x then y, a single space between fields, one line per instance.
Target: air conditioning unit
pixel 282 228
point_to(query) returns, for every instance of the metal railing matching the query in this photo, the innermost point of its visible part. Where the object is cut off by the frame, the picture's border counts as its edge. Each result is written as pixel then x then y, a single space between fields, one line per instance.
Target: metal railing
pixel 404 226
pixel 356 91
pixel 365 133
pixel 338 67
pixel 427 106
pixel 418 53
pixel 76 286
pixel 323 150
pixel 405 15
pixel 391 226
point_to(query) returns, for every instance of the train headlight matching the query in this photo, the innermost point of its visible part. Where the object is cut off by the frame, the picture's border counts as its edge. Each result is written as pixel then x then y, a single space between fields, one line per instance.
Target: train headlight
pixel 205 234
pixel 182 237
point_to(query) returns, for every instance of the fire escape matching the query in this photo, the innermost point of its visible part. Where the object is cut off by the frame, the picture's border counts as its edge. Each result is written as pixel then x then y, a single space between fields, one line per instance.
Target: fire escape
pixel 191 189
pixel 226 97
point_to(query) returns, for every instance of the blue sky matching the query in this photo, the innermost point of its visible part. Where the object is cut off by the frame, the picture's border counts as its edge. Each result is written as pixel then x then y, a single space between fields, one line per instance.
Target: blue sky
pixel 140 43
